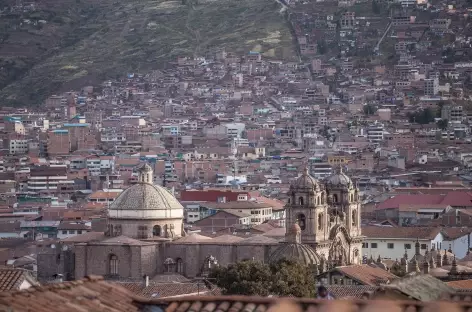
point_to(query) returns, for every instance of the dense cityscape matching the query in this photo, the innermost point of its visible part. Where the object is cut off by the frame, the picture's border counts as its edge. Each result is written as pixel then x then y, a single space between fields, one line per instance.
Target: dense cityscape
pixel 338 168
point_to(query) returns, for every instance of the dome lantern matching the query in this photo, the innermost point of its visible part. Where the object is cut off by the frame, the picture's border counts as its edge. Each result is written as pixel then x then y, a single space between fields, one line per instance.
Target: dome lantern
pixel 145 174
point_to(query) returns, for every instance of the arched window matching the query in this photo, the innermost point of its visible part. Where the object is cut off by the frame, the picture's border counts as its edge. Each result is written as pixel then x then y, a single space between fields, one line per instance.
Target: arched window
pixel 113 264
pixel 317 200
pixel 208 264
pixel 300 201
pixel 169 265
pixel 354 217
pixel 301 221
pixel 320 221
pixel 180 266
pixel 335 198
pixel 322 199
pixel 156 230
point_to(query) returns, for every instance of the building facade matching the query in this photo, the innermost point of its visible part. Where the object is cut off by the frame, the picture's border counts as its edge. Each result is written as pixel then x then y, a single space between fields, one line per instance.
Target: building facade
pixel 146 237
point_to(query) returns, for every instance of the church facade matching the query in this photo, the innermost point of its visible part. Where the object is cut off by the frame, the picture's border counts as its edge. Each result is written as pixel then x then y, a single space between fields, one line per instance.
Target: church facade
pixel 145 235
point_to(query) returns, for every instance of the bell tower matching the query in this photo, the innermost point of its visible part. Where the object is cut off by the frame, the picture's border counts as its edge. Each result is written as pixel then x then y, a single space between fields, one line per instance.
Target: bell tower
pixel 307 206
pixel 343 195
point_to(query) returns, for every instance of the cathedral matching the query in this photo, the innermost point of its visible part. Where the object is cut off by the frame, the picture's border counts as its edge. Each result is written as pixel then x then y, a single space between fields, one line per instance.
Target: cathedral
pixel 145 235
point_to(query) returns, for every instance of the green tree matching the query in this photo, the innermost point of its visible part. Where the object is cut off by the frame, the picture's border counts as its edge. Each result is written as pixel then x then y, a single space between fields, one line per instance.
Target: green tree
pixel 369 109
pixel 250 278
pixel 284 278
pixel 292 279
pixel 424 116
pixel 442 124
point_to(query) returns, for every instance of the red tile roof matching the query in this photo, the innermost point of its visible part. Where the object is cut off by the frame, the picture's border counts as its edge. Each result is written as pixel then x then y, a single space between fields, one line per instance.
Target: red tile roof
pixel 95 294
pixel 90 294
pixel 11 279
pixel 366 274
pixel 165 290
pixel 462 284
pixel 453 198
pixel 400 232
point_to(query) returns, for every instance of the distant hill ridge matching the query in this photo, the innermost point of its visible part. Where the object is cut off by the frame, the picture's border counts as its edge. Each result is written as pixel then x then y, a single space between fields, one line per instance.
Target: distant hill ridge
pixel 48 46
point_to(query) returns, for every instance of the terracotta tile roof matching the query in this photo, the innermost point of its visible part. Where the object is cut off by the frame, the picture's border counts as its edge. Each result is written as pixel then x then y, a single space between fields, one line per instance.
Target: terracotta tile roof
pixel 104 195
pixel 452 198
pixel 350 291
pixel 400 232
pixel 367 275
pixel 95 294
pixel 192 238
pixel 165 290
pixel 462 284
pixel 121 240
pixel 264 304
pixel 225 239
pixel 423 287
pixel 11 279
pixel 454 233
pixel 84 238
pixel 90 294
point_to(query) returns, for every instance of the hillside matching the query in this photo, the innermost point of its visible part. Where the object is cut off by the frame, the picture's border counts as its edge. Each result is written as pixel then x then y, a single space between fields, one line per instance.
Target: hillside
pixel 58 47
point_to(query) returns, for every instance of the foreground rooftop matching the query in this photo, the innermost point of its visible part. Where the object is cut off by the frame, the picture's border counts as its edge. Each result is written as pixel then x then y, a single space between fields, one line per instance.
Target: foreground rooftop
pixel 95 294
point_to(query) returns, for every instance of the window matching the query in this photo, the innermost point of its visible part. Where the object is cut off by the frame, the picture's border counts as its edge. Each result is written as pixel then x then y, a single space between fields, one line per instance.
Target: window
pixel 354 217
pixel 320 221
pixel 142 232
pixel 113 265
pixel 335 198
pixel 79 231
pixel 423 246
pixel 390 245
pixel 301 221
pixel 365 245
pixel 373 245
pixel 72 232
pixel 156 230
pixel 64 232
pixel 169 265
pixel 407 246
pixel 180 266
pixel 300 201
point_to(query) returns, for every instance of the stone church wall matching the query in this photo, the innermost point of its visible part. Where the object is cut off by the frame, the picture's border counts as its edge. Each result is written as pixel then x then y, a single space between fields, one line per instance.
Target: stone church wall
pixel 149 255
pixel 95 260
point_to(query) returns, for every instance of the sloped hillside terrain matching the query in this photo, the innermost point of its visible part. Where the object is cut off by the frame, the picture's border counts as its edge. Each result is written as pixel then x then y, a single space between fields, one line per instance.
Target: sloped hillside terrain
pixel 50 45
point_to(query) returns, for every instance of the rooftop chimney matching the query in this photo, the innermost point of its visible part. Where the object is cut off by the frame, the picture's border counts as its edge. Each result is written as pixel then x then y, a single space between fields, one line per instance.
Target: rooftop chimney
pixel 146 280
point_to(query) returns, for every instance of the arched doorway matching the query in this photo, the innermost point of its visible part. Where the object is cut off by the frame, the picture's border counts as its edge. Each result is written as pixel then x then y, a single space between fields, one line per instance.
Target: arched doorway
pixel 156 230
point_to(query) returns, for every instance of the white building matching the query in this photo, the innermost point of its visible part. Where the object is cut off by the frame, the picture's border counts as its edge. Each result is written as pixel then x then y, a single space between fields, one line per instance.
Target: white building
pixel 375 133
pixel 17 146
pixel 392 242
pixel 70 229
pixel 431 86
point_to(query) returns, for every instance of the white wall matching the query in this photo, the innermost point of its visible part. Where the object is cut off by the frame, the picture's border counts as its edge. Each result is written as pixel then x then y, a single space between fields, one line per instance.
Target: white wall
pixel 70 233
pixel 459 246
pixel 398 247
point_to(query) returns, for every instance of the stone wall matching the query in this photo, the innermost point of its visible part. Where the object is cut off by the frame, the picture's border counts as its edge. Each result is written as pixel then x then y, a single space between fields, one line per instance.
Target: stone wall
pixel 194 255
pixel 131 228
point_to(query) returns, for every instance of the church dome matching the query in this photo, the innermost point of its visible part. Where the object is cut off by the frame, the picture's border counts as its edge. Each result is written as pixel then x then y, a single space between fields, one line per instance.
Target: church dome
pixel 305 181
pixel 145 200
pixel 339 179
pixel 294 250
